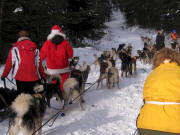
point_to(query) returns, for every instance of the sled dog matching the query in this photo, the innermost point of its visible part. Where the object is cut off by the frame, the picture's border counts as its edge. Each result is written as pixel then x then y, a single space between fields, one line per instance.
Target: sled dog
pixel 27 110
pixel 75 85
pixel 113 77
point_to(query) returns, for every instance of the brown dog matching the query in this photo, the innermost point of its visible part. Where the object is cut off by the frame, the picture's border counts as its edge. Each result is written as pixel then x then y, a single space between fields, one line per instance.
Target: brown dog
pixel 104 67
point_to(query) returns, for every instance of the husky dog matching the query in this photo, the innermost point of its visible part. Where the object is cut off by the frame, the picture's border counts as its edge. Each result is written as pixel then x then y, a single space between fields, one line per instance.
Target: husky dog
pixel 113 77
pixel 146 39
pixel 99 60
pixel 113 54
pixel 75 85
pixel 73 88
pixel 141 55
pixel 51 90
pixel 104 67
pixel 129 49
pixel 26 114
pixel 74 62
pixel 27 110
pixel 107 54
pixel 126 66
pixel 121 46
pixel 133 63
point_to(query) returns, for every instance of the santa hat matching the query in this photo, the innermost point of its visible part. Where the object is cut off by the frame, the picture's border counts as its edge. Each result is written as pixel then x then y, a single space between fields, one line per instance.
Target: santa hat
pixel 56 30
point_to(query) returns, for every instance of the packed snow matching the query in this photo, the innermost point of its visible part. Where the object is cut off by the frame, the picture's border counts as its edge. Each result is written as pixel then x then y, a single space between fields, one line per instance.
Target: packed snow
pixel 107 111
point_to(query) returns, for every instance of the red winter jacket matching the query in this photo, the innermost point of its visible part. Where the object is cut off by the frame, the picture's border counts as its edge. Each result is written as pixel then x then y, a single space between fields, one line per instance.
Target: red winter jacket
pixel 174 36
pixel 57 56
pixel 23 59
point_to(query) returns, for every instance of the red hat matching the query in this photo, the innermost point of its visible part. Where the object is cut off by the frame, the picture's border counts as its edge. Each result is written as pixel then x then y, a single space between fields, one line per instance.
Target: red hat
pixel 56 28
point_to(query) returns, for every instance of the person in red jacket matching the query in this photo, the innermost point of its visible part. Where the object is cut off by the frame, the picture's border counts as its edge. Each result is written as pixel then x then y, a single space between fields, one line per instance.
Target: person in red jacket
pixel 23 59
pixel 57 51
pixel 174 39
pixel 174 35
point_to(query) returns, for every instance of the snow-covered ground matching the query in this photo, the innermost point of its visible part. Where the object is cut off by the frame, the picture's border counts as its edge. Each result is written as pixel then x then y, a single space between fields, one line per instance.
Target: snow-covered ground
pixel 107 111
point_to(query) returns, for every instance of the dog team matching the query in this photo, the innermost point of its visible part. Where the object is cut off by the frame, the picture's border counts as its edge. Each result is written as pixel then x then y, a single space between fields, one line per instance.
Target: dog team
pixel 37 82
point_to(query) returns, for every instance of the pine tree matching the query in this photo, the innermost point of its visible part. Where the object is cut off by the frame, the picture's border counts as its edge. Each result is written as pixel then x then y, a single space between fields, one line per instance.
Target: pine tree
pixel 151 14
pixel 85 19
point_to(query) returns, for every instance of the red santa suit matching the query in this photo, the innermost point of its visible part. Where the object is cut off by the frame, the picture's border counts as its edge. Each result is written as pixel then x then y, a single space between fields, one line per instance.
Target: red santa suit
pixel 57 55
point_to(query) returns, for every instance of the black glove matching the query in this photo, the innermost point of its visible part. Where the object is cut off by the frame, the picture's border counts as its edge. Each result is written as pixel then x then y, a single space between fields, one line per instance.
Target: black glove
pixel 3 78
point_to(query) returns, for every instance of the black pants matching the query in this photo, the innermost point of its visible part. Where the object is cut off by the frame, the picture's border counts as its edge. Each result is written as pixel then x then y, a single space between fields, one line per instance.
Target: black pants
pixel 173 45
pixel 153 132
pixel 26 87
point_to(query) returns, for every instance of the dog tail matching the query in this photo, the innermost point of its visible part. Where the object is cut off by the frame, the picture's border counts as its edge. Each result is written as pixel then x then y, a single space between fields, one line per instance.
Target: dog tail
pixel 21 104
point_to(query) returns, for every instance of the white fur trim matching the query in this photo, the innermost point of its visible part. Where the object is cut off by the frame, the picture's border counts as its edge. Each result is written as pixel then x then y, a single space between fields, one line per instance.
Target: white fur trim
pixel 58 71
pixel 23 38
pixel 55 32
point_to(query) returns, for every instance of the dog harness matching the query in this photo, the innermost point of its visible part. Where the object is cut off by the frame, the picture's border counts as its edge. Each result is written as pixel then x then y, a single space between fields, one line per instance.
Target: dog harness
pixel 161 103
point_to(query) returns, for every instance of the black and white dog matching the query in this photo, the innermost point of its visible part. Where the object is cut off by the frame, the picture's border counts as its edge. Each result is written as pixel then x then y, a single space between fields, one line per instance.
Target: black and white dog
pixel 27 110
pixel 75 85
pixel 74 62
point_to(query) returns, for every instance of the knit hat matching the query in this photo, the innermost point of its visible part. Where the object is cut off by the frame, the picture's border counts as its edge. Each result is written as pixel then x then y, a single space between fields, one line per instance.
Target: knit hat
pixel 174 31
pixel 56 30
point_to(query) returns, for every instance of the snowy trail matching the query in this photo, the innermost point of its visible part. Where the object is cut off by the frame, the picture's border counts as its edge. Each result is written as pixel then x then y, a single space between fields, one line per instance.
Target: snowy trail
pixel 107 112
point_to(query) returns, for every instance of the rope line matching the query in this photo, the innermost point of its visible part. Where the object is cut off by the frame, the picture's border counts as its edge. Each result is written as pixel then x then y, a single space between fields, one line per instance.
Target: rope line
pixel 55 116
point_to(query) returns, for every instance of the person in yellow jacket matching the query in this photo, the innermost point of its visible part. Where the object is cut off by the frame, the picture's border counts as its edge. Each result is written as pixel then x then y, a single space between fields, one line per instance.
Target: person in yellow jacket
pixel 160 114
